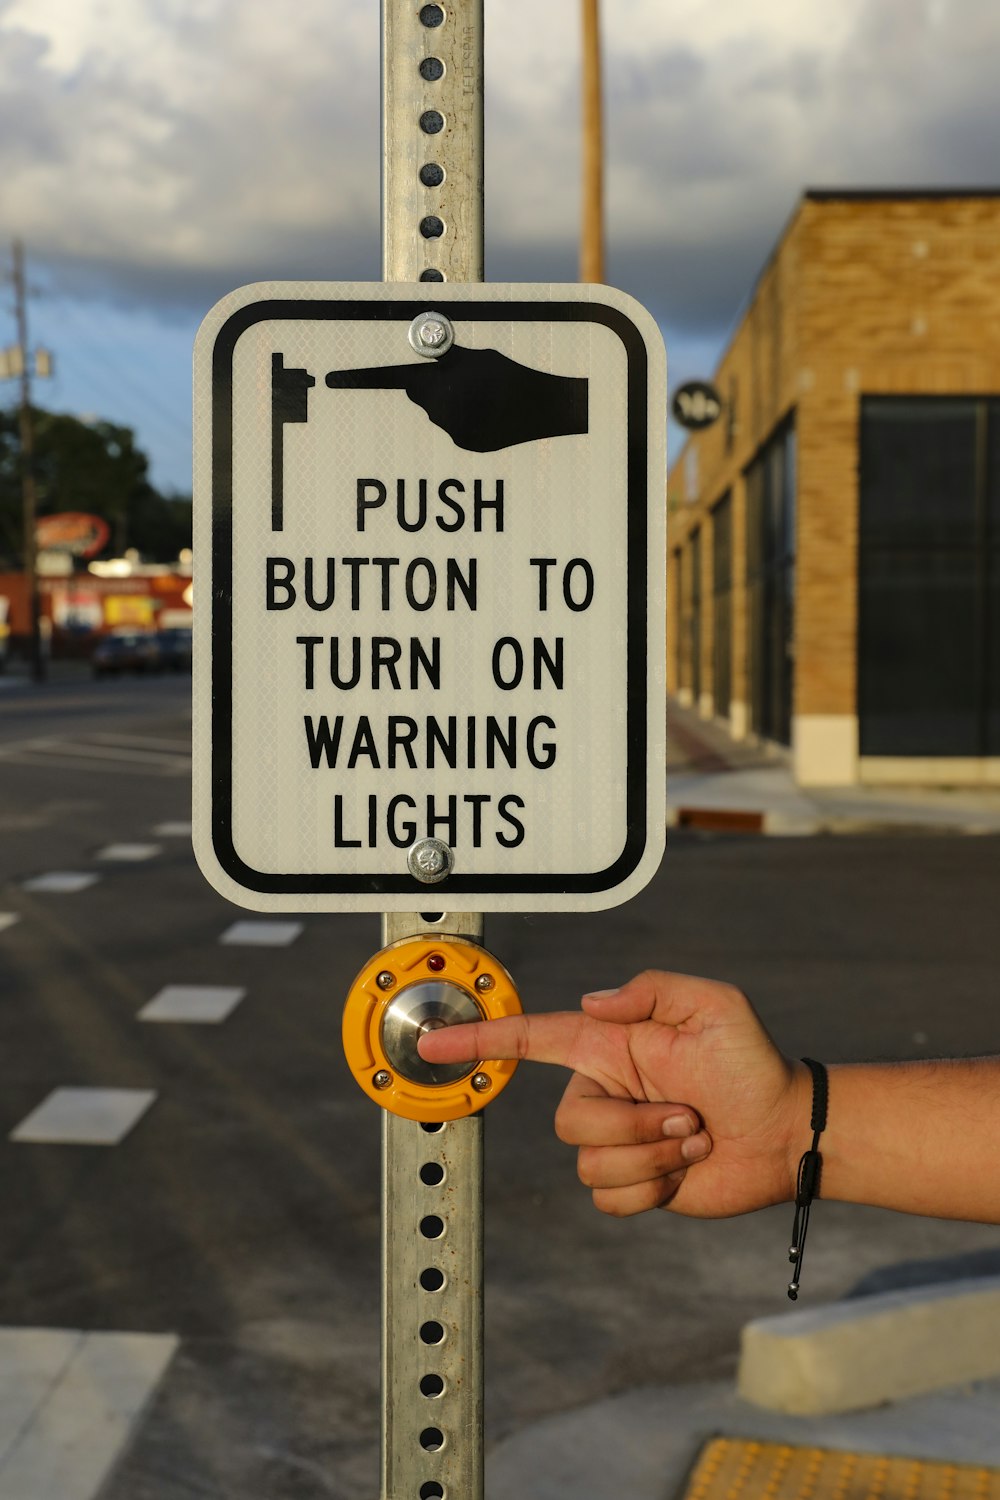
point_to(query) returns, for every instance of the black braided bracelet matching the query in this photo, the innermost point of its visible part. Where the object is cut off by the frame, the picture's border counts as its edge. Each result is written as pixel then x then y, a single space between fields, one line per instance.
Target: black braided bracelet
pixel 810 1169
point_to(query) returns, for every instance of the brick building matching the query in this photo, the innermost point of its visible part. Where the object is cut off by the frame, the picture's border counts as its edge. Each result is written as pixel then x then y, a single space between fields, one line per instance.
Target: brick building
pixel 835 536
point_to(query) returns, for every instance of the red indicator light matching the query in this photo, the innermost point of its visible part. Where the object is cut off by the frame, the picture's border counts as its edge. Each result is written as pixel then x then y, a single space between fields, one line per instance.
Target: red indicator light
pixel 435 962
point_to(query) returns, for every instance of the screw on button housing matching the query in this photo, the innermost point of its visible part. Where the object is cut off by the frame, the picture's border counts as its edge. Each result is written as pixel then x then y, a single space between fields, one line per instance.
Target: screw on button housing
pixel 430 861
pixel 416 1009
pixel 382 1078
pixel 431 335
pixel 485 982
pixel 385 980
pixel 481 1082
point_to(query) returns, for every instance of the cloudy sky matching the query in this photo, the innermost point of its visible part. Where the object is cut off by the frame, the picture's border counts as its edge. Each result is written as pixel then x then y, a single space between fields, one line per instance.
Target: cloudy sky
pixel 155 154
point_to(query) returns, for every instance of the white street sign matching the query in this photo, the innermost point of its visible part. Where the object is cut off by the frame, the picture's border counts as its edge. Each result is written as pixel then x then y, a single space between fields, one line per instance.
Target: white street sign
pixel 429 595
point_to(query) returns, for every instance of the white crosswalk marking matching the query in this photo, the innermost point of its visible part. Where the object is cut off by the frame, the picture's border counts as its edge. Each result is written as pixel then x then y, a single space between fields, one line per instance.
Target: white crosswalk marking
pixel 127 754
pixel 69 1401
pixel 8 918
pixel 128 853
pixel 172 830
pixel 84 1117
pixel 262 934
pixel 206 1004
pixel 61 882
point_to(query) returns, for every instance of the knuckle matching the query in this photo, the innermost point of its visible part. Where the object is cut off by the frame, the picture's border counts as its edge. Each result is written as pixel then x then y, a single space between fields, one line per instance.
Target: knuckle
pixel 651 977
pixel 733 994
pixel 655 1193
pixel 586 1167
pixel 564 1127
pixel 614 1204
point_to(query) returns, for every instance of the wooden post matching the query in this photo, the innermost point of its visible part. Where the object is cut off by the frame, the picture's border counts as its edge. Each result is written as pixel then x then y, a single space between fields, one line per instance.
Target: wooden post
pixel 592 227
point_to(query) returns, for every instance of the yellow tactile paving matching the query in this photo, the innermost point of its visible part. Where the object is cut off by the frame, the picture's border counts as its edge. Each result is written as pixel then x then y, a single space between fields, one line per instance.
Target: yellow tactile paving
pixel 735 1469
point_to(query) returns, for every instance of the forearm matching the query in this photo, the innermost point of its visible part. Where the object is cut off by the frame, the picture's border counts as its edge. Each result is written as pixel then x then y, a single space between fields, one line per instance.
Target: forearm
pixel 920 1137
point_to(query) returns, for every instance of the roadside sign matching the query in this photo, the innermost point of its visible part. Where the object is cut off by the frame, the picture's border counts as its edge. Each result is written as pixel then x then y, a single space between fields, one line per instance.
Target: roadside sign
pixel 429 595
pixel 696 405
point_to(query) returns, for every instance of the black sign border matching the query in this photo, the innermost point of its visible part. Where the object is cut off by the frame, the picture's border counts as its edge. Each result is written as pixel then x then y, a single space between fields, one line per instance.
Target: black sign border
pixel 637 449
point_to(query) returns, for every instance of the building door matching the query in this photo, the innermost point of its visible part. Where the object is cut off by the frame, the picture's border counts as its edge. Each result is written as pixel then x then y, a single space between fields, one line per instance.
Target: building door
pixel 722 595
pixel 929 577
pixel 695 623
pixel 679 622
pixel 771 488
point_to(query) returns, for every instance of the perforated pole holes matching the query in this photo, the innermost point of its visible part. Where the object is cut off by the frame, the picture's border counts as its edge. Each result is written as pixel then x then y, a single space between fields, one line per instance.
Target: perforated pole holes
pixel 433 232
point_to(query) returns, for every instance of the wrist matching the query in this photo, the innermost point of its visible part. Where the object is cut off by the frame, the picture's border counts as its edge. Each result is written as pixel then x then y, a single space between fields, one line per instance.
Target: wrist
pixel 798 1133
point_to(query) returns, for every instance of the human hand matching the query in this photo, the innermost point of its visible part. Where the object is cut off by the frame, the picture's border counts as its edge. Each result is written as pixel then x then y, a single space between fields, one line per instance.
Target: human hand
pixel 633 1052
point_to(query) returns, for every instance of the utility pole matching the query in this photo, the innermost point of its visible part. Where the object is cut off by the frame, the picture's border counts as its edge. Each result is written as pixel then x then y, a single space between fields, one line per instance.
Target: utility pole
pixel 28 493
pixel 592 227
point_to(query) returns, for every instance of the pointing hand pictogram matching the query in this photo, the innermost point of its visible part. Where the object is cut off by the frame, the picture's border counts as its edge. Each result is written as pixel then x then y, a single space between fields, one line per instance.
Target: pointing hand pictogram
pixel 480 398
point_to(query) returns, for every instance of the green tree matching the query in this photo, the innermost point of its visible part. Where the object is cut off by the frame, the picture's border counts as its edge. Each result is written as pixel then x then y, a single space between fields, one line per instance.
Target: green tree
pixel 95 467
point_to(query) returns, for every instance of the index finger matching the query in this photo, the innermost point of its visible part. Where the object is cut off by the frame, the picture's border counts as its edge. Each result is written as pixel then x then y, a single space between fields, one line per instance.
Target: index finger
pixel 552 1037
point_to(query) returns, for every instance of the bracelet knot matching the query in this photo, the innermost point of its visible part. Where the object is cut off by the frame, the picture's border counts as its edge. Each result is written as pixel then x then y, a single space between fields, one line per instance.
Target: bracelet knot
pixel 810 1172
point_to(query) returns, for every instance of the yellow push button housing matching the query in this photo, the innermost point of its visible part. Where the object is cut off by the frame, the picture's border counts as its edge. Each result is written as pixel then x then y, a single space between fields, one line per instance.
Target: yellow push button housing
pixel 411 987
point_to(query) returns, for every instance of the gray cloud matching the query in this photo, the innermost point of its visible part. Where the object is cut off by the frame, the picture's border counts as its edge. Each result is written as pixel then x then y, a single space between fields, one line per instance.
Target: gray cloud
pixel 199 144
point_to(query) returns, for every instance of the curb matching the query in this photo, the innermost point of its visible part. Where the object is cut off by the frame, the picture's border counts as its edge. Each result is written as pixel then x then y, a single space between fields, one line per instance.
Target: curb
pixel 795 825
pixel 862 1353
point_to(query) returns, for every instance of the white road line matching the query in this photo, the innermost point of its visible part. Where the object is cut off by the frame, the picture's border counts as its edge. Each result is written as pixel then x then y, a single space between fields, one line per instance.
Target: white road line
pixel 202 1005
pixel 262 934
pixel 61 882
pixel 117 768
pixel 128 853
pixel 8 918
pixel 84 1117
pixel 142 741
pixel 172 831
pixel 69 1402
pixel 87 751
pixel 95 748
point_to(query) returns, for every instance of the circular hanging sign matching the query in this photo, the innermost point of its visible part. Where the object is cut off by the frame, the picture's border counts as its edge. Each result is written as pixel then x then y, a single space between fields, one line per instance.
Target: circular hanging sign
pixel 696 404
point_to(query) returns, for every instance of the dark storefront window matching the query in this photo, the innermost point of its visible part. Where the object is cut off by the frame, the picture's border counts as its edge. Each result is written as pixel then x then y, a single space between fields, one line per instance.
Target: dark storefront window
pixel 679 622
pixel 929 571
pixel 694 624
pixel 770 481
pixel 722 604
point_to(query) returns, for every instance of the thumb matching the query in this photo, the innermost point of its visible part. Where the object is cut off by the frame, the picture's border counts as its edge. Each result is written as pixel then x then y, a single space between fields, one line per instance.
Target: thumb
pixel 679 1000
pixel 626 1004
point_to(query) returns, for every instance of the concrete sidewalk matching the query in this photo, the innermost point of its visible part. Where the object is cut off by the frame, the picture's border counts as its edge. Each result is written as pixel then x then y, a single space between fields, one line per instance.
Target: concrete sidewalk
pixel 714 782
pixel 642 1444
pixel 904 1367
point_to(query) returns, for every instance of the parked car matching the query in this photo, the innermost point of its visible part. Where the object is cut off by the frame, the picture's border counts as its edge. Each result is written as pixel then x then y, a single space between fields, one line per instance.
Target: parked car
pixel 126 651
pixel 175 648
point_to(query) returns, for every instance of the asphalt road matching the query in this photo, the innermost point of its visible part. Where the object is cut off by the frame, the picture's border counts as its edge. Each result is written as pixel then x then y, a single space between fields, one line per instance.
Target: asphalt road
pixel 242 1212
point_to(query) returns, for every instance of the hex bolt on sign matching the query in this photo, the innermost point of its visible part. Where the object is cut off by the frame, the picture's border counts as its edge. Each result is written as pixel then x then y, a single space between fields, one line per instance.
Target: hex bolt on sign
pixel 431 335
pixel 429 861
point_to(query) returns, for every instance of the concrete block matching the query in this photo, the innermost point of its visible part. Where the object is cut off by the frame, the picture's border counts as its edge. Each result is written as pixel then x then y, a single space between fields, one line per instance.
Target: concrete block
pixel 860 1353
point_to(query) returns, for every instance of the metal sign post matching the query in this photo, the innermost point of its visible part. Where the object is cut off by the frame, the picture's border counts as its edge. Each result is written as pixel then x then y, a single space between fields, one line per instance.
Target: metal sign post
pixel 432 1180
